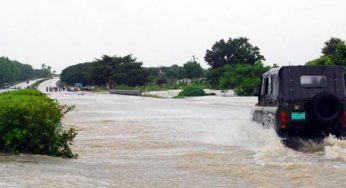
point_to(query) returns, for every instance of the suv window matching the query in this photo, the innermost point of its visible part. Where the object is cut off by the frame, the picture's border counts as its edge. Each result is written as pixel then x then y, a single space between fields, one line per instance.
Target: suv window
pixel 267 86
pixel 264 85
pixel 270 86
pixel 313 81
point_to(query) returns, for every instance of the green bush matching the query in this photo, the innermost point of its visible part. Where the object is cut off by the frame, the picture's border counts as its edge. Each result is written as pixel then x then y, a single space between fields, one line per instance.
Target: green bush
pixel 191 91
pixel 24 92
pixel 243 78
pixel 30 122
pixel 247 86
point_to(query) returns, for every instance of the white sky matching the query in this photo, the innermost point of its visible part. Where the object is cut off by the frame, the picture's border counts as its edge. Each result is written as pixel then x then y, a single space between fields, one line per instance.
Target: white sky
pixel 164 32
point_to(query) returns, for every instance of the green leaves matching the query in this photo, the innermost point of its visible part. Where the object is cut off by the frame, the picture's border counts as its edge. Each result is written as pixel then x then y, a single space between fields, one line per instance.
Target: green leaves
pixel 339 58
pixel 30 122
pixel 107 70
pixel 242 78
pixel 234 64
pixel 191 92
pixel 234 51
pixel 13 71
pixel 330 46
pixel 334 54
pixel 192 70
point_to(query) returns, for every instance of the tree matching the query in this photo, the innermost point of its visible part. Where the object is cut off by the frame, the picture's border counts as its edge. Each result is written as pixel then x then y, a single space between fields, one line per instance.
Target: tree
pixel 13 71
pixel 234 51
pixel 330 46
pixel 324 60
pixel 79 73
pixel 115 70
pixel 153 73
pixel 334 53
pixel 49 68
pixel 100 74
pixel 243 78
pixel 133 72
pixel 42 73
pixel 174 72
pixel 161 80
pixel 214 75
pixel 339 57
pixel 192 70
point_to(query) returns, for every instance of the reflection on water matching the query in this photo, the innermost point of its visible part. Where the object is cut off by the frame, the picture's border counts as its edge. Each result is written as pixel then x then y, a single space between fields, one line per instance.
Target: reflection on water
pixel 126 141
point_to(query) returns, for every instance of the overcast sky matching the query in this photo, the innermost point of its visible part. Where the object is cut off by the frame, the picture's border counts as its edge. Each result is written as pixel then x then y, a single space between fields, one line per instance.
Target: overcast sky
pixel 164 32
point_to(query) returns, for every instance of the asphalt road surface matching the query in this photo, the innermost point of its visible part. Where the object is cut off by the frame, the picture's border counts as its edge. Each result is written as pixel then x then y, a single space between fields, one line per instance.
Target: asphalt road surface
pixel 22 85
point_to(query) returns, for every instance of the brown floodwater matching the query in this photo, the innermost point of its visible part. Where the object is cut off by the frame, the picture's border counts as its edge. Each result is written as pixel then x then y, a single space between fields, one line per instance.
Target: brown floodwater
pixel 126 141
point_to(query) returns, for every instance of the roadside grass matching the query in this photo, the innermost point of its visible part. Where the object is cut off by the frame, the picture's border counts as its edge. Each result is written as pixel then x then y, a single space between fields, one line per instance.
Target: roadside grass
pixel 193 92
pixel 163 87
pixel 36 84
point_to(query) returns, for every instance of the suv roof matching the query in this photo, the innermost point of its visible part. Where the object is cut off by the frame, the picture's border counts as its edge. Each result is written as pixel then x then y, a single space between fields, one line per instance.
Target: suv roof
pixel 286 82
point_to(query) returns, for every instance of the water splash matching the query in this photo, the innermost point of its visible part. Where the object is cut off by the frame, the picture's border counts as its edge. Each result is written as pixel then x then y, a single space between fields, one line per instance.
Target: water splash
pixel 335 148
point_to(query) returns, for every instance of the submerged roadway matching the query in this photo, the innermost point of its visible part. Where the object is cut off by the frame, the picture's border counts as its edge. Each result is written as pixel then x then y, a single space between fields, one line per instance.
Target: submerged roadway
pixel 126 141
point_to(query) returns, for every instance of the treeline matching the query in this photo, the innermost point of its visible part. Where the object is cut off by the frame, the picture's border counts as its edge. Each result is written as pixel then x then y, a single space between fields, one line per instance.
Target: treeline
pixel 234 64
pixel 13 71
pixel 113 71
pixel 108 71
pixel 164 74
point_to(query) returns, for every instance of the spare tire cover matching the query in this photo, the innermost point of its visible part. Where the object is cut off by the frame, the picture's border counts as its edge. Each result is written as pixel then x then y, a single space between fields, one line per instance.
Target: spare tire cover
pixel 326 107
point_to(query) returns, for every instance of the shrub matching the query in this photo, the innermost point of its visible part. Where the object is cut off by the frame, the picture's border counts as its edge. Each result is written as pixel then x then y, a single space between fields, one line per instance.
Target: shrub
pixel 24 92
pixel 246 87
pixel 30 122
pixel 191 91
pixel 243 78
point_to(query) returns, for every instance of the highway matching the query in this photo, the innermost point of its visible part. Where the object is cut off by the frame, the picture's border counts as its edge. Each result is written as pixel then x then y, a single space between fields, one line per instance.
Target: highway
pixel 128 141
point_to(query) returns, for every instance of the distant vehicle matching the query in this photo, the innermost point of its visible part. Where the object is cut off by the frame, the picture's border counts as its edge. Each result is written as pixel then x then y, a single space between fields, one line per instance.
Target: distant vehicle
pixel 88 88
pixel 78 86
pixel 303 101
pixel 72 89
pixel 6 85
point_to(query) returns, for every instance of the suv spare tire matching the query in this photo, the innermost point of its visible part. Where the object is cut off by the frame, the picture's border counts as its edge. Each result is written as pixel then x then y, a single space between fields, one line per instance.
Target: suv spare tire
pixel 326 107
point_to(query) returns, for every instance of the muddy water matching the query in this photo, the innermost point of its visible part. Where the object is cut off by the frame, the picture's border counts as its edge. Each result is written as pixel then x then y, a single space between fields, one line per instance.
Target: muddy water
pixel 126 141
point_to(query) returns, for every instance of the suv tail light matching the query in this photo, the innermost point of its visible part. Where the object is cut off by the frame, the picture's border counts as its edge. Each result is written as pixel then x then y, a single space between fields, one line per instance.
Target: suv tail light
pixel 283 119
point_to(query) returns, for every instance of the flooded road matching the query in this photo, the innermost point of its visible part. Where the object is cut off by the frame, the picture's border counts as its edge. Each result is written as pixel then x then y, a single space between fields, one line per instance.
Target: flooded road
pixel 127 141
pixel 22 85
